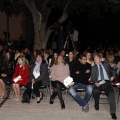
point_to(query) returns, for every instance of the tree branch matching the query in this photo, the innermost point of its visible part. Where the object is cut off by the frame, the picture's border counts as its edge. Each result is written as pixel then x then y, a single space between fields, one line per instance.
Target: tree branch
pixel 27 3
pixel 44 5
pixel 65 14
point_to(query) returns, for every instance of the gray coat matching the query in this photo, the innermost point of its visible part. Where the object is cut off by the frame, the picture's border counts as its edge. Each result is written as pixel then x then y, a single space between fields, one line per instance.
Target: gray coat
pixel 44 75
pixel 109 70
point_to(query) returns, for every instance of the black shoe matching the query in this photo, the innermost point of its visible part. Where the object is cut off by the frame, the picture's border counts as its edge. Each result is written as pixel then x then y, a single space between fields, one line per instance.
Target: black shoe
pixel 62 105
pixel 96 107
pixel 51 100
pixel 25 101
pixel 33 96
pixel 113 116
pixel 38 101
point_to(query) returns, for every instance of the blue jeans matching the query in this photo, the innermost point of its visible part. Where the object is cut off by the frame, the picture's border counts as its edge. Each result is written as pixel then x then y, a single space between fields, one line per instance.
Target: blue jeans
pixel 77 97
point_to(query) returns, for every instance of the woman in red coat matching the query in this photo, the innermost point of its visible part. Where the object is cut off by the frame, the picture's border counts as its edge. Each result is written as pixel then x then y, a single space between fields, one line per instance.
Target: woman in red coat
pixel 20 76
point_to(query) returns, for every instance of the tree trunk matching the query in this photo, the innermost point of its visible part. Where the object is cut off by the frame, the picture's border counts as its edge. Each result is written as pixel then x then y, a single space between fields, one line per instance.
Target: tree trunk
pixel 41 33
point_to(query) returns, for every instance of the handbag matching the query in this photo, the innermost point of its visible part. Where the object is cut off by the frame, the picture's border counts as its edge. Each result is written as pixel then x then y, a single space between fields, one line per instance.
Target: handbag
pixel 68 82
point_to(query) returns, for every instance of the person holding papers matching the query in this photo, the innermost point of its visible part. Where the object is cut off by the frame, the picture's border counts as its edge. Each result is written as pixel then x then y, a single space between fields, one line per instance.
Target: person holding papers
pixel 39 76
pixel 20 76
pixel 102 75
pixel 59 72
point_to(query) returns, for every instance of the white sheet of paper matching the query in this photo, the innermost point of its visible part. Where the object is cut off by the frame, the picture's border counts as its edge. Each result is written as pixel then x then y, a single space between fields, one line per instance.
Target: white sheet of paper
pixel 102 82
pixel 118 84
pixel 36 74
pixel 68 81
pixel 17 79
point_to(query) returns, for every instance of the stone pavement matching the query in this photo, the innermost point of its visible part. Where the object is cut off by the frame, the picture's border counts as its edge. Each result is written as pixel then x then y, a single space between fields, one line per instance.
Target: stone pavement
pixel 12 110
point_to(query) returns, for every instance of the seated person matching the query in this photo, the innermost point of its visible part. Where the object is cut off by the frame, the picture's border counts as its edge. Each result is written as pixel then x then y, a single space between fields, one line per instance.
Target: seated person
pixel 39 76
pixel 22 73
pixel 59 72
pixel 81 75
pixel 102 71
pixel 6 71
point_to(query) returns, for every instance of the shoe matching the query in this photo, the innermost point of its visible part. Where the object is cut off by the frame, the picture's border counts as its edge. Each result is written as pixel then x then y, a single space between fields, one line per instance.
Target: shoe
pixel 113 116
pixel 17 100
pixel 2 97
pixel 42 96
pixel 33 96
pixel 96 107
pixel 25 101
pixel 38 101
pixel 62 105
pixel 86 108
pixel 51 100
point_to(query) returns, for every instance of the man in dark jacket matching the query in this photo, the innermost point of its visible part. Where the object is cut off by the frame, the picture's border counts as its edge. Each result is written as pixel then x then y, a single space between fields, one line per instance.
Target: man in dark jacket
pixel 81 75
pixel 102 75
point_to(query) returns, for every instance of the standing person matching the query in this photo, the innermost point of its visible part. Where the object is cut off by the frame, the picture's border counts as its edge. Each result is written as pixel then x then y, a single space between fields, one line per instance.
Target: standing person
pixel 101 72
pixel 74 38
pixel 59 72
pixel 61 38
pixel 81 74
pixel 22 73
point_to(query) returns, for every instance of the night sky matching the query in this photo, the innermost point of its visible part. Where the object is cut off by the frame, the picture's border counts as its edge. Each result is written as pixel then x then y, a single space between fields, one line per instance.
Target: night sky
pixel 94 31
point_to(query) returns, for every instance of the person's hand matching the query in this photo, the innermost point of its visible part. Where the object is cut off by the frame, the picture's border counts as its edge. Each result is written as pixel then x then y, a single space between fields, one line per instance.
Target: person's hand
pixel 112 78
pixel 33 81
pixel 77 72
pixel 87 71
pixel 97 84
pixel 3 75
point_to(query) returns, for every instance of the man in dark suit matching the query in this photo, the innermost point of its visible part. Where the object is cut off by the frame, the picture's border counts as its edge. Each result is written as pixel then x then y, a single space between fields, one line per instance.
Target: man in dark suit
pixel 102 75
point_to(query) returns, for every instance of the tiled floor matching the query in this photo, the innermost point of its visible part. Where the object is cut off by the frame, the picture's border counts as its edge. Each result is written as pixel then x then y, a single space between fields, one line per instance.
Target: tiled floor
pixel 12 110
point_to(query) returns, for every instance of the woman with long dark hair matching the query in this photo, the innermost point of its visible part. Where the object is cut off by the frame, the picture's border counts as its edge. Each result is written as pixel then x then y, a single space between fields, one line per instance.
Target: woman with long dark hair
pixel 6 71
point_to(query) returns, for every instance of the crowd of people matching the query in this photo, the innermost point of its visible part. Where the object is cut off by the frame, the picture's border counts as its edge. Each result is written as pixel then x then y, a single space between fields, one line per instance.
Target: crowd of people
pixel 93 71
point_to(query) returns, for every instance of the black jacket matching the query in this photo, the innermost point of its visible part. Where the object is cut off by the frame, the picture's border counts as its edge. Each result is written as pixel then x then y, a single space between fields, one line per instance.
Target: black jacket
pixel 44 75
pixel 82 77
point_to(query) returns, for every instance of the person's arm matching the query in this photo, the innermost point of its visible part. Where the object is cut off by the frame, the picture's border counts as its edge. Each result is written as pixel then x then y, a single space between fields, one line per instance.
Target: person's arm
pixel 26 73
pixel 53 73
pixel 43 71
pixel 31 72
pixel 112 73
pixel 93 75
pixel 87 72
pixel 66 73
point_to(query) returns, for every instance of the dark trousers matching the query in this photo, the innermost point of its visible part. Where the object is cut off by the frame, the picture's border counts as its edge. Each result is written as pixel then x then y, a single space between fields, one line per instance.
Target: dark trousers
pixel 57 90
pixel 36 87
pixel 108 89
